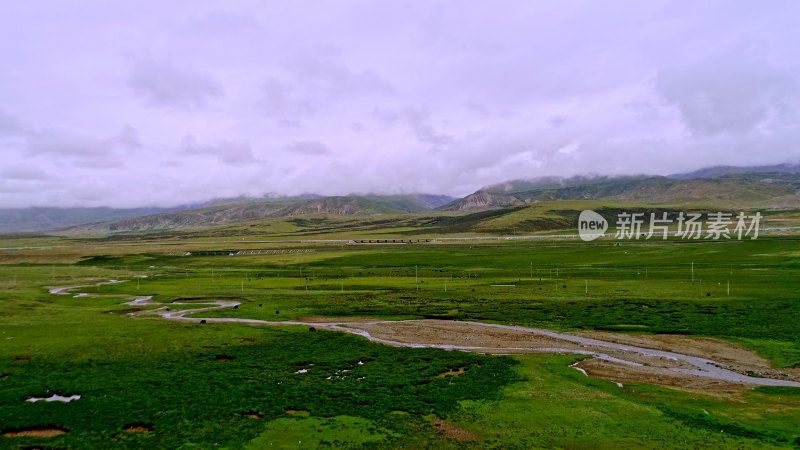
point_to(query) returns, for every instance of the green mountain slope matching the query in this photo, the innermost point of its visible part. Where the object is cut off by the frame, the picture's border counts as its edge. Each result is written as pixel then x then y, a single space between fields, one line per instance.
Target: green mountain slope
pixel 36 219
pixel 771 190
pixel 262 209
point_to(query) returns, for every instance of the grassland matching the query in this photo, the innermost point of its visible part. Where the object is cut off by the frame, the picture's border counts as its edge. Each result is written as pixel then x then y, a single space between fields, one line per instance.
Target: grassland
pixel 233 385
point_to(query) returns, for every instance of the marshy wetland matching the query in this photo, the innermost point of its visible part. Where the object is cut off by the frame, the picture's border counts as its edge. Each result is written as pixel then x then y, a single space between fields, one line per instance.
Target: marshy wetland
pixel 169 349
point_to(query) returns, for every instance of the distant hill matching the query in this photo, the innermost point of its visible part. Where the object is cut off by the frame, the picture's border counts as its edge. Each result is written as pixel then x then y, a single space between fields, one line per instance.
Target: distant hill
pixel 369 204
pixel 41 219
pixel 346 205
pixel 412 202
pixel 756 188
pixel 243 199
pixel 542 183
pixel 265 208
pixel 765 187
pixel 483 200
pixel 37 219
pixel 719 171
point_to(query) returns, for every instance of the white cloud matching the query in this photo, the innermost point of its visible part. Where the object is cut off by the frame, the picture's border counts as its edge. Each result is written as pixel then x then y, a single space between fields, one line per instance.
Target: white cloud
pixel 163 84
pixel 229 152
pixel 23 172
pixel 153 103
pixel 308 148
pixel 734 90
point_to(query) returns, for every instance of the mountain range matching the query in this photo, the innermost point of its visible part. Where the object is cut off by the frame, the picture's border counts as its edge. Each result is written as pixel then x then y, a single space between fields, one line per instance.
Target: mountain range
pixel 724 187
pixel 766 187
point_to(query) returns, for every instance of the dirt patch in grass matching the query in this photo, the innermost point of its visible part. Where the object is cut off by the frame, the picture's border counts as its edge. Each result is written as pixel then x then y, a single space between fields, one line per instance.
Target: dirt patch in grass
pixel 315 319
pixel 205 299
pixel 138 428
pixel 644 367
pixel 253 415
pixel 448 332
pixel 21 359
pixel 451 431
pixel 493 340
pixel 296 412
pixel 225 358
pixel 625 374
pixel 36 432
pixel 452 373
pixel 124 311
pixel 728 355
pixel 247 339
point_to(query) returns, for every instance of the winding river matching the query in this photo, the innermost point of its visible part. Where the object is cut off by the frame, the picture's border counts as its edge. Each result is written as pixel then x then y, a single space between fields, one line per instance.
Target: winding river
pixel 686 364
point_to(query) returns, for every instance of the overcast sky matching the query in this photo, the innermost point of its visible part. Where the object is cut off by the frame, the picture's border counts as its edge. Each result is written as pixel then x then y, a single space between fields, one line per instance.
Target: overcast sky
pixel 163 103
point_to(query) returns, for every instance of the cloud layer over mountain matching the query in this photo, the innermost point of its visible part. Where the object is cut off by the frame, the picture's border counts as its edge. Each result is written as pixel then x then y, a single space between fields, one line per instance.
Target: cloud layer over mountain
pixel 153 103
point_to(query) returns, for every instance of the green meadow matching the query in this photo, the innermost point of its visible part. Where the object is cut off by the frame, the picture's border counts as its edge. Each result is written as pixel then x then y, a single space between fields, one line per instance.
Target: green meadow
pixel 235 386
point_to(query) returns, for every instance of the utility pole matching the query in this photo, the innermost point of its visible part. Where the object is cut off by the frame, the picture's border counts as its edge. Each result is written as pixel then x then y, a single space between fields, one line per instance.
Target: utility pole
pixel 729 287
pixel 587 287
pixel 445 285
